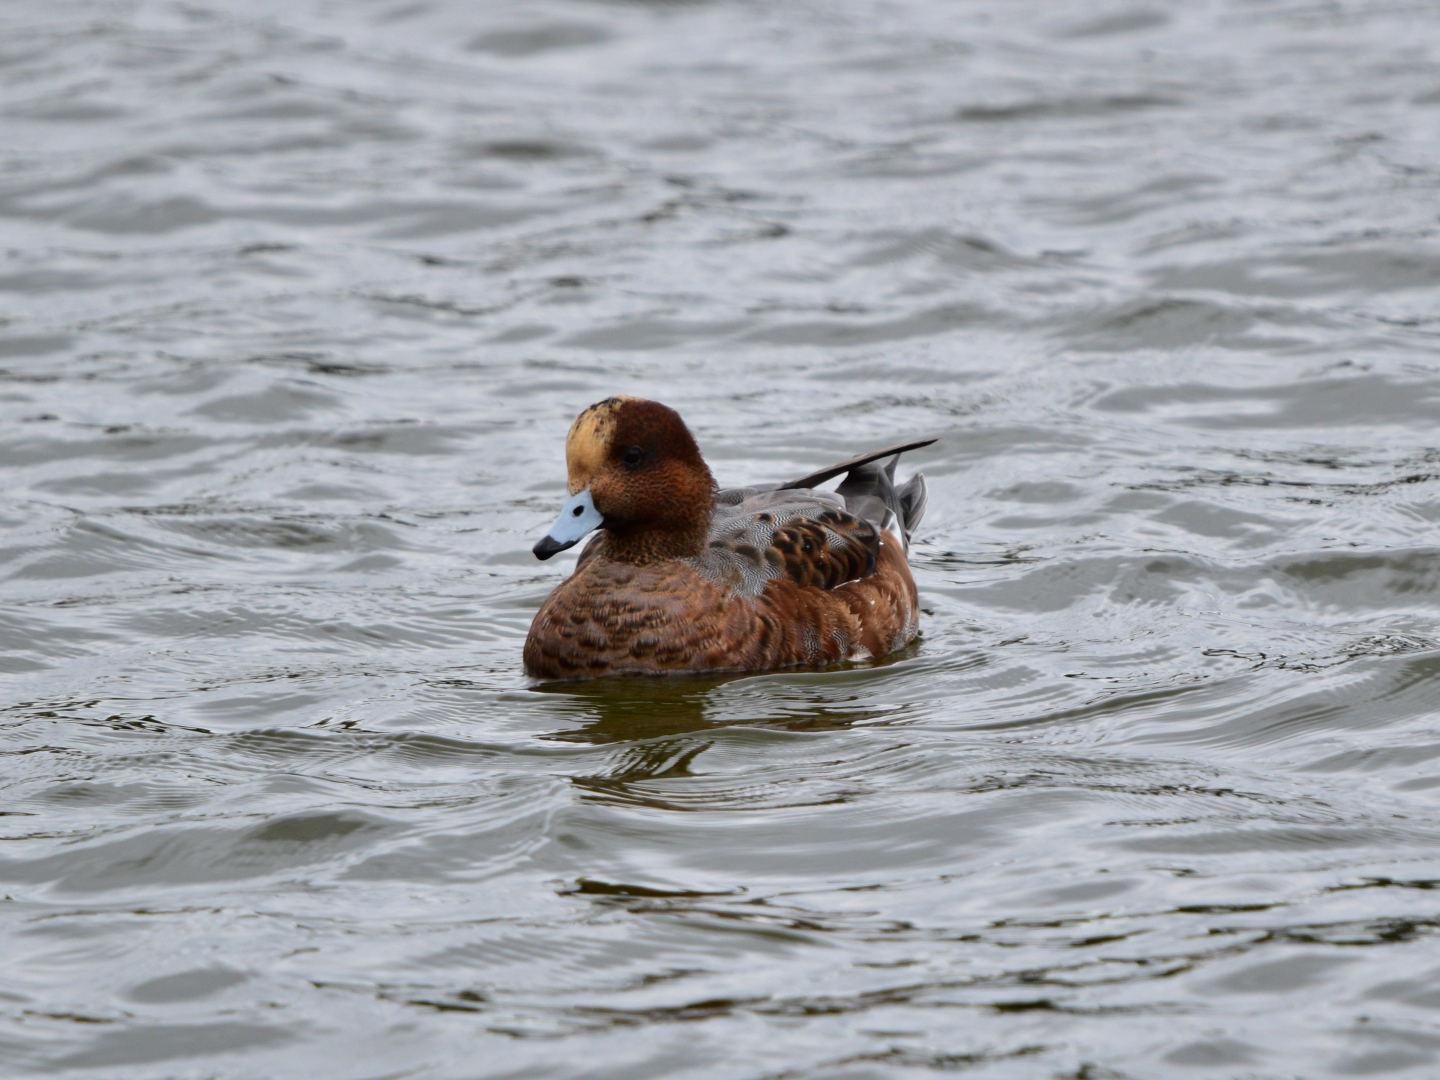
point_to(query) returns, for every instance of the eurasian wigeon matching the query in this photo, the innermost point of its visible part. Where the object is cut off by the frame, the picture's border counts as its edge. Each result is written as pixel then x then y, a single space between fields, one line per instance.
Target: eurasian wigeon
pixel 685 578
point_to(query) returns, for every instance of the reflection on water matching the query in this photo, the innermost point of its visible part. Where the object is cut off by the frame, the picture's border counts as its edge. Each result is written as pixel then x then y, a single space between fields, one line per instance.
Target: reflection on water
pixel 624 710
pixel 296 304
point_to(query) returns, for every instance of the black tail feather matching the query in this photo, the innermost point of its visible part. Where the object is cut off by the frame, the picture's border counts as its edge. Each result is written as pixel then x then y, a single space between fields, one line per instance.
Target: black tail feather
pixel 815 479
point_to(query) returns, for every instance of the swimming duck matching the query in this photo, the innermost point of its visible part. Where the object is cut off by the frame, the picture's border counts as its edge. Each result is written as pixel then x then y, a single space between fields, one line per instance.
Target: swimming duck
pixel 683 577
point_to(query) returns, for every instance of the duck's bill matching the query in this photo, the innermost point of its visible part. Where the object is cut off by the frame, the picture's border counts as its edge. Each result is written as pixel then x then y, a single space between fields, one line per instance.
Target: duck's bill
pixel 577 517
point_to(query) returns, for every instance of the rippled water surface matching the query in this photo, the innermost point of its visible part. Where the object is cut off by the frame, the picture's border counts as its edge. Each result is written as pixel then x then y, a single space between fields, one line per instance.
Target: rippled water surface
pixel 296 303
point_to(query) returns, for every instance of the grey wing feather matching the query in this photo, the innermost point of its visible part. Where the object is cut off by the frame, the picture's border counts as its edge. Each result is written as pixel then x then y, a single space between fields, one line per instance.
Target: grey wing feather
pixel 870 492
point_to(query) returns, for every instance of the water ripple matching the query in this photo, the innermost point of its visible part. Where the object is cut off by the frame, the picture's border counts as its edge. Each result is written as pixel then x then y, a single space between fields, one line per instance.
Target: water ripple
pixel 295 307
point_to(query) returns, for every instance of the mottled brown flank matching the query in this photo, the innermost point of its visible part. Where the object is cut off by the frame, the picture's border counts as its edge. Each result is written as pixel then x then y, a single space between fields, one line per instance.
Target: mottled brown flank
pixel 810 554
pixel 614 618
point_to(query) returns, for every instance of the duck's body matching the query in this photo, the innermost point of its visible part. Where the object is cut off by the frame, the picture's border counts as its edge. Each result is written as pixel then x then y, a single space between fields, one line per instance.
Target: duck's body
pixel 614 618
pixel 683 578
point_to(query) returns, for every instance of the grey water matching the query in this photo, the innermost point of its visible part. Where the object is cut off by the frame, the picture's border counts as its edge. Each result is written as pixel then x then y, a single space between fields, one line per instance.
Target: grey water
pixel 297 301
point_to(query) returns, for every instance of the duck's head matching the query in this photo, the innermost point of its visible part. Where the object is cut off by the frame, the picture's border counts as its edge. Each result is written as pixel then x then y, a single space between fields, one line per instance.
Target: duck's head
pixel 635 472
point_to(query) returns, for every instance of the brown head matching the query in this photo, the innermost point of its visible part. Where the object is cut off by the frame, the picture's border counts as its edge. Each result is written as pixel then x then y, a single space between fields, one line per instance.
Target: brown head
pixel 636 472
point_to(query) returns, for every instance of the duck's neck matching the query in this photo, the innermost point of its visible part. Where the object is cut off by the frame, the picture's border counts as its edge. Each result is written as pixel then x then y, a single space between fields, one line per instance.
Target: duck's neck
pixel 642 545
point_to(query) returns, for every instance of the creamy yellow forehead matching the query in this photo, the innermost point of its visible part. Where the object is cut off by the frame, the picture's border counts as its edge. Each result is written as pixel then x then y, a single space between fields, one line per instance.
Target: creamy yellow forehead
pixel 589 440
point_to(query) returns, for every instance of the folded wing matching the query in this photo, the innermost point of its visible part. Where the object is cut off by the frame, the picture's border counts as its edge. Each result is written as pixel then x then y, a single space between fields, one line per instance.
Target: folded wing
pixel 817 539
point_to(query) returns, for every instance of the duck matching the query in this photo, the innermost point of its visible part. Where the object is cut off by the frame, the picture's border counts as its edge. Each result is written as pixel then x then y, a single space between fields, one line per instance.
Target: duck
pixel 683 576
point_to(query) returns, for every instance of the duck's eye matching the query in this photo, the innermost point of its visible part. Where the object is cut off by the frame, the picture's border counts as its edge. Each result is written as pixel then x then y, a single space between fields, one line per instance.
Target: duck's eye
pixel 633 455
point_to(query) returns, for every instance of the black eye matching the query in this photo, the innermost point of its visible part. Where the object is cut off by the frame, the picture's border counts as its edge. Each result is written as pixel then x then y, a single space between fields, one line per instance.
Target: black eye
pixel 633 455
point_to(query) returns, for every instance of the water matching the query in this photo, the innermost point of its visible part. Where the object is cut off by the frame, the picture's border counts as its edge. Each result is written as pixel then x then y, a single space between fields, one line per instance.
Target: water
pixel 299 300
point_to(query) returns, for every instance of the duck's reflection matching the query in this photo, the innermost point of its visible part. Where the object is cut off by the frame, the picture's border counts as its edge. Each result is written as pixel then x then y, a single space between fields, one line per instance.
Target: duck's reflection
pixel 622 709
pixel 625 709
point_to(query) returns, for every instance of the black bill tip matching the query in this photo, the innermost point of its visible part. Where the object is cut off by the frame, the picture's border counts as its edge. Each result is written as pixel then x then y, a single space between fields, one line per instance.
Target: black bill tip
pixel 548 546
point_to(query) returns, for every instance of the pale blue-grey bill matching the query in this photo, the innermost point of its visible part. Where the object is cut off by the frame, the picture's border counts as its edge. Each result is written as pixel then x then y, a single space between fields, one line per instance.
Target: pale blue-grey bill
pixel 578 516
